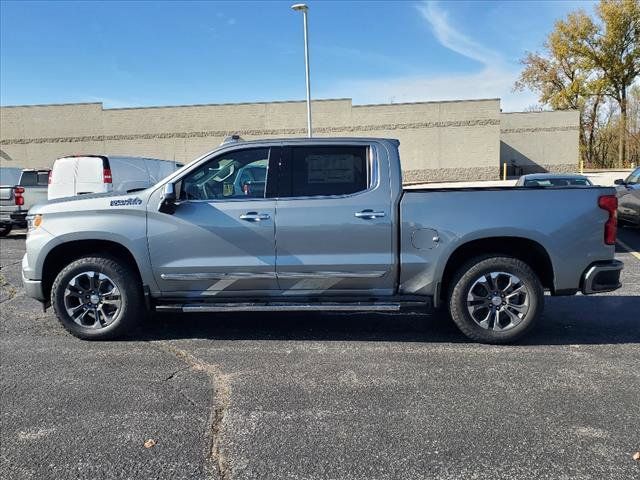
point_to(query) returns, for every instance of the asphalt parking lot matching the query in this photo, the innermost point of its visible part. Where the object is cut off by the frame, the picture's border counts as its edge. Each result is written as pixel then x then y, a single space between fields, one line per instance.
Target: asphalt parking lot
pixel 322 396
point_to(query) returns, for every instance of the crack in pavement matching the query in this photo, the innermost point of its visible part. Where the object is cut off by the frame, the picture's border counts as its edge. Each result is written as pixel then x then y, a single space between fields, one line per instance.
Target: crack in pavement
pixel 219 405
pixel 10 264
pixel 173 374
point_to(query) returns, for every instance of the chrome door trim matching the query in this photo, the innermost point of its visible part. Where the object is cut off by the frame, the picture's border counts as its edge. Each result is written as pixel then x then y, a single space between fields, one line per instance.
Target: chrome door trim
pixel 373 161
pixel 215 276
pixel 371 274
pixel 251 275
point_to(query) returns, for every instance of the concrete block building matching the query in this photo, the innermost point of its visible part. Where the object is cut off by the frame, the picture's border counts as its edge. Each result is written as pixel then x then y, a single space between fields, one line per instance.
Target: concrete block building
pixel 439 141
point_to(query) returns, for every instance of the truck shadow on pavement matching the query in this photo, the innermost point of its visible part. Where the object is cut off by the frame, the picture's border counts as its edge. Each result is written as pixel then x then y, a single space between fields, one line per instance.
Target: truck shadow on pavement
pixel 567 320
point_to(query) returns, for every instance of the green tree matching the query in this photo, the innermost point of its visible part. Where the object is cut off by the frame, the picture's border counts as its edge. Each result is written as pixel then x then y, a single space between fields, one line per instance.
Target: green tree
pixel 585 59
pixel 610 48
pixel 563 83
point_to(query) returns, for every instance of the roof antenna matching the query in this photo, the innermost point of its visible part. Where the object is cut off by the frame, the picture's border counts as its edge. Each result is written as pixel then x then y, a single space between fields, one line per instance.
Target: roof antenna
pixel 235 138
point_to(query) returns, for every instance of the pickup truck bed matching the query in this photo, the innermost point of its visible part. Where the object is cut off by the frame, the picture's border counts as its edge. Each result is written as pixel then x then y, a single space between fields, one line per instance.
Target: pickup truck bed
pixel 537 222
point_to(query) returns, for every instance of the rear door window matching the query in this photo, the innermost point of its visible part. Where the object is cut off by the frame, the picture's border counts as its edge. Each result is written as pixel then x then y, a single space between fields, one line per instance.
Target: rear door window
pixel 324 171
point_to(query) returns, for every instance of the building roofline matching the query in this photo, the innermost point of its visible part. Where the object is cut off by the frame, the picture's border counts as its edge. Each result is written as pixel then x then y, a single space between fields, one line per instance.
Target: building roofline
pixel 174 106
pixel 426 102
pixel 73 104
pixel 250 103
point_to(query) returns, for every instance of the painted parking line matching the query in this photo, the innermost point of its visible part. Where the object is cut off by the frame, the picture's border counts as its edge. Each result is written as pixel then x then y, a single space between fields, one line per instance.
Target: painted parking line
pixel 629 249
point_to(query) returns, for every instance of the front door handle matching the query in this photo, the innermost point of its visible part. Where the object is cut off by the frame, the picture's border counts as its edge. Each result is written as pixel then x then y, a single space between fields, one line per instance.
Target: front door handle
pixel 254 216
pixel 369 214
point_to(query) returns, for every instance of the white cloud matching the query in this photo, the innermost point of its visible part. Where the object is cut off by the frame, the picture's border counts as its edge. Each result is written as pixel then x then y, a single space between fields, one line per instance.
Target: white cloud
pixel 449 37
pixel 494 79
pixel 487 83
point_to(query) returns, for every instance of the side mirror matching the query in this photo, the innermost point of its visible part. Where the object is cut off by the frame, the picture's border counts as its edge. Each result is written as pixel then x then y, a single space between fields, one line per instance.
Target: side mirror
pixel 619 182
pixel 168 200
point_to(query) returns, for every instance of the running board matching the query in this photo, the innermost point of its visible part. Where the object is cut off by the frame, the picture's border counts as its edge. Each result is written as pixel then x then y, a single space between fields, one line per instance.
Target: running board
pixel 283 307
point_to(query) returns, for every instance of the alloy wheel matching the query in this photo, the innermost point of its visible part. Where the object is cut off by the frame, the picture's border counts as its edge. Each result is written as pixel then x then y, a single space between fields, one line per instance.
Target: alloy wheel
pixel 92 299
pixel 498 301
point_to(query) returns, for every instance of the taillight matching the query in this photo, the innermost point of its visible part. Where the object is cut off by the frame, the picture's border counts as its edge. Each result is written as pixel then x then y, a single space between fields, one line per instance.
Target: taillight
pixel 17 193
pixel 610 204
pixel 106 175
pixel 50 176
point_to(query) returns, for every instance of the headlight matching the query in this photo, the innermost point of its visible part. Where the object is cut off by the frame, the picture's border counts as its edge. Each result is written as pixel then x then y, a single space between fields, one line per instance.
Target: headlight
pixel 33 222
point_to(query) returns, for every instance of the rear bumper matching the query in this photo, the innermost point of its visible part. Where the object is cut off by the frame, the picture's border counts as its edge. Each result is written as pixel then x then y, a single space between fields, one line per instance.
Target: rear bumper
pixel 19 219
pixel 602 277
pixel 5 218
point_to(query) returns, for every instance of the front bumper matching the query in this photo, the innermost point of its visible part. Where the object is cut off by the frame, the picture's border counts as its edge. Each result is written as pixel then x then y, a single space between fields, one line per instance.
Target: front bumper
pixel 602 277
pixel 33 288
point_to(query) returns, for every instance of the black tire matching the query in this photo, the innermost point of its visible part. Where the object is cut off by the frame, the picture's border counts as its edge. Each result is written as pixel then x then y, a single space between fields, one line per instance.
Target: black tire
pixel 131 308
pixel 465 279
pixel 5 230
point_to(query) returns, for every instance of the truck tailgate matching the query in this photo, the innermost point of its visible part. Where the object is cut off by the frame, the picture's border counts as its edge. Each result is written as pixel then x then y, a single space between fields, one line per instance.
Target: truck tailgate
pixel 6 193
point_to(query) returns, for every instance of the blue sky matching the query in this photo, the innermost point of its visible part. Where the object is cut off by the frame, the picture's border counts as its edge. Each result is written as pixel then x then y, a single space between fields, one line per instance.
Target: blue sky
pixel 129 54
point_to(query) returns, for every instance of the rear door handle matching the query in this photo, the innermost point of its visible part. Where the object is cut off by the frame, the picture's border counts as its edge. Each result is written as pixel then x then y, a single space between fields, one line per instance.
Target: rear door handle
pixel 369 214
pixel 254 216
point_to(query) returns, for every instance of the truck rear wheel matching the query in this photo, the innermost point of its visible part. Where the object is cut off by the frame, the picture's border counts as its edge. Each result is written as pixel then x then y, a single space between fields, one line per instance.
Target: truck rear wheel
pixel 495 299
pixel 97 298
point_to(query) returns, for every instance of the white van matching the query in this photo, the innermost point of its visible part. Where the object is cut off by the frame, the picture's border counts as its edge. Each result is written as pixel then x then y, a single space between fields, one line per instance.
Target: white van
pixel 82 174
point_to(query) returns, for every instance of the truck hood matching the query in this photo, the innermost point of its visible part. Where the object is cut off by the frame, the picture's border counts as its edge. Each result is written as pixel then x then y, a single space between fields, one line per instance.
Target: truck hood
pixel 94 201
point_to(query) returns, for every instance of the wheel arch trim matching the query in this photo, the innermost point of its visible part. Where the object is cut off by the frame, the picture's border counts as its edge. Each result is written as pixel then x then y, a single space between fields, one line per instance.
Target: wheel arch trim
pixel 504 245
pixel 77 245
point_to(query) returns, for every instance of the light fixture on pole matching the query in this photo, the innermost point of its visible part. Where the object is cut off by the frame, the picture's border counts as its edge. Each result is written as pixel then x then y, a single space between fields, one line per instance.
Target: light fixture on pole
pixel 301 7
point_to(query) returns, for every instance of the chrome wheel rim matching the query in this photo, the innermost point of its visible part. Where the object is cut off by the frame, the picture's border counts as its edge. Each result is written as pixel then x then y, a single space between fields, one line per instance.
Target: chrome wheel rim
pixel 92 300
pixel 498 301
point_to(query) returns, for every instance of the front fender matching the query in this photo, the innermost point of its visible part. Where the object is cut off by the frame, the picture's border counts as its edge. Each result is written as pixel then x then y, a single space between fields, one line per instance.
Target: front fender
pixel 126 227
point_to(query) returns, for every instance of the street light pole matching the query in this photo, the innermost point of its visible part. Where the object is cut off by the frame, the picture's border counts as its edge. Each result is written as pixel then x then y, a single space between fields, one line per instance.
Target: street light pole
pixel 301 7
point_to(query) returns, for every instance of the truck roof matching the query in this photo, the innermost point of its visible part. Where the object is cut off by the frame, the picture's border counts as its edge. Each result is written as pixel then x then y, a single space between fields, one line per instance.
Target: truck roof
pixel 314 140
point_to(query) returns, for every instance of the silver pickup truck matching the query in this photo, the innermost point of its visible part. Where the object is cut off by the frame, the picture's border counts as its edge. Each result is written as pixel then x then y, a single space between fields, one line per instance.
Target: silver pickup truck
pixel 18 196
pixel 317 225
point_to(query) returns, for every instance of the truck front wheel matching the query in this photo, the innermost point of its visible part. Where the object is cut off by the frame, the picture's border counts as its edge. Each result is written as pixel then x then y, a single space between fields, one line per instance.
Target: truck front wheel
pixel 495 299
pixel 97 298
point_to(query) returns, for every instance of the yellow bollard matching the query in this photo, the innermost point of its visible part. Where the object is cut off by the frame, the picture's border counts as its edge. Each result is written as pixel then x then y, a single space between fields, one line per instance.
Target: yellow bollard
pixel 504 171
pixel 581 166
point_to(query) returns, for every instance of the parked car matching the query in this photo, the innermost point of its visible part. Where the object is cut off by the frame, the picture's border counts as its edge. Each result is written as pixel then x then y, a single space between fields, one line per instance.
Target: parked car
pixel 628 192
pixel 16 200
pixel 553 180
pixel 83 174
pixel 9 177
pixel 332 229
